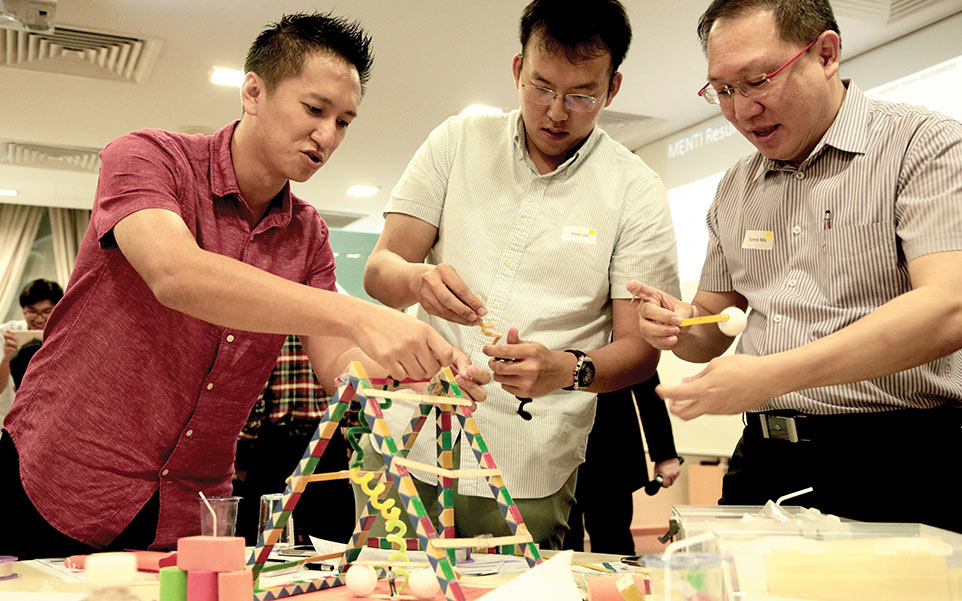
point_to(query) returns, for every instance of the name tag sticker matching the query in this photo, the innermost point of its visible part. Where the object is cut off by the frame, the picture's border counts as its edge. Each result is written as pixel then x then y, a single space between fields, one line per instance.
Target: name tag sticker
pixel 759 240
pixel 580 234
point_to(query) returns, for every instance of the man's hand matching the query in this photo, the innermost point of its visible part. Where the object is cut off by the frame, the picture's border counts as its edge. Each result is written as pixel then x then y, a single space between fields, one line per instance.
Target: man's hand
pixel 10 346
pixel 669 470
pixel 443 293
pixel 659 314
pixel 403 345
pixel 728 385
pixel 471 379
pixel 527 369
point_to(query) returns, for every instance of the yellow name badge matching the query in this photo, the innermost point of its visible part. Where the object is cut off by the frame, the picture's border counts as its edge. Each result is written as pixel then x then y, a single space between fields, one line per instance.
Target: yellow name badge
pixel 581 234
pixel 759 240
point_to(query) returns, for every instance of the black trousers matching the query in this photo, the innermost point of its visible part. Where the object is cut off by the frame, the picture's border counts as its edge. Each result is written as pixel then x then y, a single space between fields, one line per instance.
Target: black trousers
pixel 27 535
pixel 325 509
pixel 606 515
pixel 897 466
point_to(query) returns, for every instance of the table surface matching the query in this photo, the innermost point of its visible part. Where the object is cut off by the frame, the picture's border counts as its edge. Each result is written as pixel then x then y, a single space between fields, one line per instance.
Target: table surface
pixel 35 584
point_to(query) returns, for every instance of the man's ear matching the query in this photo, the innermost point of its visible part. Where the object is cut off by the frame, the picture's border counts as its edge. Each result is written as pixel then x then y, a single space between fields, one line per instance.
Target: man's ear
pixel 516 69
pixel 253 92
pixel 614 87
pixel 829 50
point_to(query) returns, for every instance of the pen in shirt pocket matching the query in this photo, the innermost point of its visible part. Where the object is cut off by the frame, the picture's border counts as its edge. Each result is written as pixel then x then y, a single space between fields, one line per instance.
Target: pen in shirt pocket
pixel 827 220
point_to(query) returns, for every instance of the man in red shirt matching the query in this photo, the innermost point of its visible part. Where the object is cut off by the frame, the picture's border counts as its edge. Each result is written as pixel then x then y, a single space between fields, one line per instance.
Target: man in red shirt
pixel 197 262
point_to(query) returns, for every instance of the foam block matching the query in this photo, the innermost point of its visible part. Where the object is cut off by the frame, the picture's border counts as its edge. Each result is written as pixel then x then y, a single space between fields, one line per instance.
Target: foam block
pixel 173 584
pixel 235 586
pixel 211 553
pixel 201 585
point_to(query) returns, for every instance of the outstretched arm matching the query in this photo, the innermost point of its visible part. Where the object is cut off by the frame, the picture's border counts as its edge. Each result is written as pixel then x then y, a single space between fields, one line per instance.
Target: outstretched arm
pixel 226 292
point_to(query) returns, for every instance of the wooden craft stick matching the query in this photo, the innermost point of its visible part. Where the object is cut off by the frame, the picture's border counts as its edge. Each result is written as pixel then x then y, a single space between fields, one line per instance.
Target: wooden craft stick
pixel 425 399
pixel 341 475
pixel 479 541
pixel 694 321
pixel 393 564
pixel 440 471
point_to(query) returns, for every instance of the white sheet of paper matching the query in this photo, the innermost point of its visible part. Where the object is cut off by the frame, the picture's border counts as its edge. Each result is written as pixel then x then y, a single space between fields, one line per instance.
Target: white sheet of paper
pixel 549 580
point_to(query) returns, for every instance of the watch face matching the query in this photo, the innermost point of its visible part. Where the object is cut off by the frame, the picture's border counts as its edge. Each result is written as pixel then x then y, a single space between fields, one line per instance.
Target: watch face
pixel 587 375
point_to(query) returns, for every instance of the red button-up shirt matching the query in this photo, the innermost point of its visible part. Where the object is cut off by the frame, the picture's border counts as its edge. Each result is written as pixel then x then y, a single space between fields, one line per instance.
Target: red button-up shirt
pixel 127 395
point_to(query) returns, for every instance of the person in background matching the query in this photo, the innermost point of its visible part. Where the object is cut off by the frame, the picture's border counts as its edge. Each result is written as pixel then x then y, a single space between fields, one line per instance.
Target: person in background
pixel 197 263
pixel 274 440
pixel 604 504
pixel 544 215
pixel 843 235
pixel 37 301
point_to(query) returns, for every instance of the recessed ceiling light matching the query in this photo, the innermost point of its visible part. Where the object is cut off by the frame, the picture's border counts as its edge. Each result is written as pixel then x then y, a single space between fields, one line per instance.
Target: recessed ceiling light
pixel 481 109
pixel 362 191
pixel 227 77
pixel 8 192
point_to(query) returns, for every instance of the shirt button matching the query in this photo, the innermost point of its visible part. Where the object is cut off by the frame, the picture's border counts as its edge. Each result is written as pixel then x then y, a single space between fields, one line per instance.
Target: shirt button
pixel 799 175
pixel 792 282
pixel 524 221
pixel 508 263
pixel 796 229
pixel 165 472
pixel 210 385
pixel 230 338
pixel 496 304
pixel 778 319
pixel 189 433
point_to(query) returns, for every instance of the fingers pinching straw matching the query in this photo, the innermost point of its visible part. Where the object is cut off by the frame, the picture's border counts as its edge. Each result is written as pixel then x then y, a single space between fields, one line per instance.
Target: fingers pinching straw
pixel 731 321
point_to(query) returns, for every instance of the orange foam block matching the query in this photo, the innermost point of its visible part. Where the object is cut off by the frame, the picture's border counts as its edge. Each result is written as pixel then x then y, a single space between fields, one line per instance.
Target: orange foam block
pixel 235 586
pixel 211 553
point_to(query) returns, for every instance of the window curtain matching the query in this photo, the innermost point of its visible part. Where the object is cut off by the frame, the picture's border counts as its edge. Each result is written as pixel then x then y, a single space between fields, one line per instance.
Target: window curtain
pixel 18 230
pixel 67 228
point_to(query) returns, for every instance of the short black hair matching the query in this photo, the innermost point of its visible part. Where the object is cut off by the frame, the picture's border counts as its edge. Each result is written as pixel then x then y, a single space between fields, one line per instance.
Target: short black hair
pixel 18 364
pixel 279 51
pixel 41 290
pixel 582 30
pixel 798 21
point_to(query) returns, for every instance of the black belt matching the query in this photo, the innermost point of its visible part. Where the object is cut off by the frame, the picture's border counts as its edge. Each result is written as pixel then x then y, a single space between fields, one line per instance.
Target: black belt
pixel 793 426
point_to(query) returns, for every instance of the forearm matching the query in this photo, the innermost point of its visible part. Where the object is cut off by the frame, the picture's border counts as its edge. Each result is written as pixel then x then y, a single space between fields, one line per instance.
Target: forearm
pixel 913 329
pixel 622 363
pixel 229 293
pixel 4 374
pixel 391 279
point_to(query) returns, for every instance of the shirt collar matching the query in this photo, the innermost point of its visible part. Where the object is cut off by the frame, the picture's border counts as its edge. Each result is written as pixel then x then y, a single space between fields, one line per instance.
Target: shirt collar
pixel 223 181
pixel 521 150
pixel 846 133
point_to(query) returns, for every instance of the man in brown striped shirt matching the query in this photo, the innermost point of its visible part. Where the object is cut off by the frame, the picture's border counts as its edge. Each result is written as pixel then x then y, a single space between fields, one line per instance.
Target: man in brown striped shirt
pixel 843 234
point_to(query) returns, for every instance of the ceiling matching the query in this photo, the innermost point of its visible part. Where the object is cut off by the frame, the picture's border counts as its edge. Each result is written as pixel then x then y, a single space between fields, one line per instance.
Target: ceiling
pixel 433 58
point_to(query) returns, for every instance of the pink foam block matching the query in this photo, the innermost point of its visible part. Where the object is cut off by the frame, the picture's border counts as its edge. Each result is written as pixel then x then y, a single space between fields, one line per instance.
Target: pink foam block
pixel 201 585
pixel 235 586
pixel 211 553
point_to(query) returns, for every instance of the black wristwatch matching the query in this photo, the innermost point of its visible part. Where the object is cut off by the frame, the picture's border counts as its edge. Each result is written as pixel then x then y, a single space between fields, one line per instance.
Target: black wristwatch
pixel 584 372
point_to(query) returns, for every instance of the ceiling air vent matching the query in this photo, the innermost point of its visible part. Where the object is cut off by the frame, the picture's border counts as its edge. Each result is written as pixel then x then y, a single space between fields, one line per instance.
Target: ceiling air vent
pixel 79 52
pixel 627 128
pixel 886 11
pixel 19 154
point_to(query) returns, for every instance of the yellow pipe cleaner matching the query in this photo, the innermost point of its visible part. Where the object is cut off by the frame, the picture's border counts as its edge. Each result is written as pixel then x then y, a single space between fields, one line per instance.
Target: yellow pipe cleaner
pixel 391 514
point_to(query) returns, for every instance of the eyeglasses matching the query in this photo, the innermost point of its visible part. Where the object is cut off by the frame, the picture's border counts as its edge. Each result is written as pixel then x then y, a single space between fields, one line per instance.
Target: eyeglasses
pixel 31 312
pixel 753 87
pixel 573 102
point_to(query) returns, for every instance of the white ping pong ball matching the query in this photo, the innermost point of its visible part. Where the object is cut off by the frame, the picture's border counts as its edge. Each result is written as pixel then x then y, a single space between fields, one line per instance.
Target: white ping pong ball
pixel 361 580
pixel 423 584
pixel 736 322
